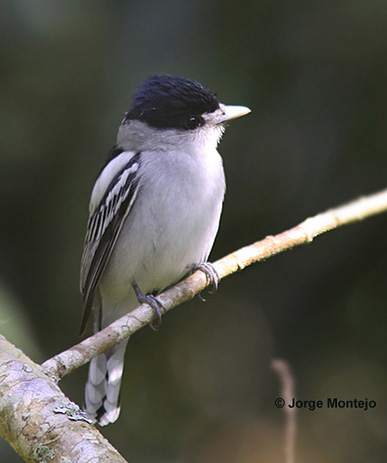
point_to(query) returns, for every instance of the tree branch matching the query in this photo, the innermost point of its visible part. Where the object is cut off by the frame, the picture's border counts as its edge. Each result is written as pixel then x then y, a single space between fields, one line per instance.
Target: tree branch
pixel 304 233
pixel 39 421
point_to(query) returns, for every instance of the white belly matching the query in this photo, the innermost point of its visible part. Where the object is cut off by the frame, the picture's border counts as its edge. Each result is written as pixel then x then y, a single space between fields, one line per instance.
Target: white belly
pixel 170 228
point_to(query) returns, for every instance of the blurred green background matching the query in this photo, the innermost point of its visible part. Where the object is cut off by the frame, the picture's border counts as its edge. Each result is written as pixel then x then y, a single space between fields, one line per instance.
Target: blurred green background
pixel 201 390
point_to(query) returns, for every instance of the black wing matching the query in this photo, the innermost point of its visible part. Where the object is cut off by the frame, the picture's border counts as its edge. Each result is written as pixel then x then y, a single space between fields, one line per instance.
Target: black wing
pixel 104 225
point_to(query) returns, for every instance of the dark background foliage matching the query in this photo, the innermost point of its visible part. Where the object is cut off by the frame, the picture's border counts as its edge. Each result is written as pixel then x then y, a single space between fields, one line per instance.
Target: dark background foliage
pixel 201 389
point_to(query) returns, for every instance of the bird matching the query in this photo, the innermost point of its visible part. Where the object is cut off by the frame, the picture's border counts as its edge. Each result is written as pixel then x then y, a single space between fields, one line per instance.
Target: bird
pixel 154 213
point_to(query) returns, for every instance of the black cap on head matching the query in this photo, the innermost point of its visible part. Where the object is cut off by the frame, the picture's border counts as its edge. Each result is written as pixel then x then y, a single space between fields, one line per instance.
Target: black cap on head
pixel 165 101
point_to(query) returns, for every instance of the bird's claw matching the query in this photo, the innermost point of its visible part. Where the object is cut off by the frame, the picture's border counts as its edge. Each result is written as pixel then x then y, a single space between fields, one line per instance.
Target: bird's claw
pixel 212 276
pixel 154 303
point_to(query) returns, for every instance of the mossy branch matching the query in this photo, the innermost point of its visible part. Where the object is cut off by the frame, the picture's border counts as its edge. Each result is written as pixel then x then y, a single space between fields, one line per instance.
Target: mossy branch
pixel 40 422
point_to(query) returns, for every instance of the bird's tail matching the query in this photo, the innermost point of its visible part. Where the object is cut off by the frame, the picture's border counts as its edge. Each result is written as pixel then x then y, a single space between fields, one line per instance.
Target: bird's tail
pixel 103 385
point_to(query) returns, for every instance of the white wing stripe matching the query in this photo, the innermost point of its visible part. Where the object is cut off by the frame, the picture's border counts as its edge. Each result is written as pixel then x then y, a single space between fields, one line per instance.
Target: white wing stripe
pixel 106 177
pixel 106 211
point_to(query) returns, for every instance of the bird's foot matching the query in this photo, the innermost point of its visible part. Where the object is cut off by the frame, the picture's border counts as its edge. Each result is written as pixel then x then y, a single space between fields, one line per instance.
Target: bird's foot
pixel 212 276
pixel 155 304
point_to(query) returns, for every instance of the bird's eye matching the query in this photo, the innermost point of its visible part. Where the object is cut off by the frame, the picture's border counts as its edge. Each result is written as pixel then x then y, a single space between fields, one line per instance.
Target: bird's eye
pixel 194 121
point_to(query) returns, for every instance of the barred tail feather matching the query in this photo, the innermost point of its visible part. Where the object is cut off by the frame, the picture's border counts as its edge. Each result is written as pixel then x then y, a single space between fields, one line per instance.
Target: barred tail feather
pixel 103 385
